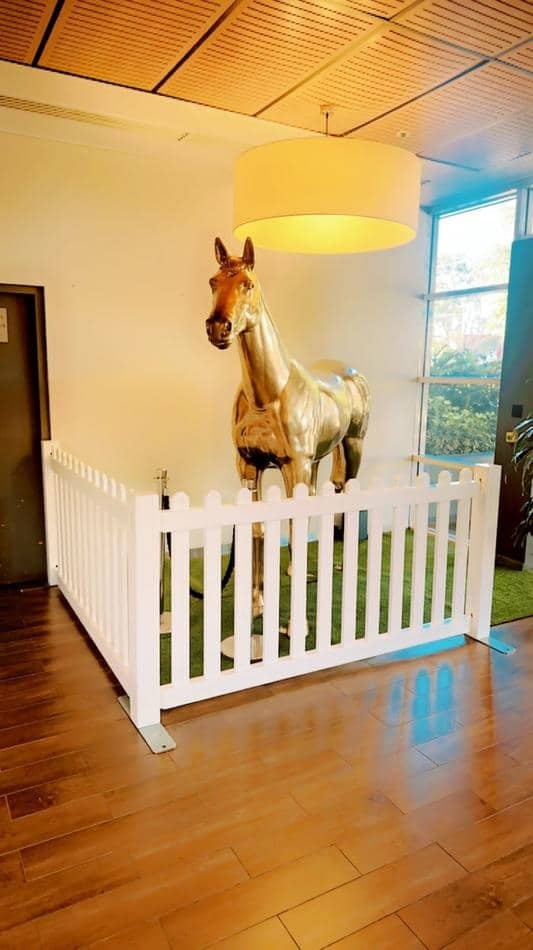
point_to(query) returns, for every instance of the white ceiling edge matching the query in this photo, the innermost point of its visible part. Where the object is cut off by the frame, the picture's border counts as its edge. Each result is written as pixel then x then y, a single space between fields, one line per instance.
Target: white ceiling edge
pixel 140 108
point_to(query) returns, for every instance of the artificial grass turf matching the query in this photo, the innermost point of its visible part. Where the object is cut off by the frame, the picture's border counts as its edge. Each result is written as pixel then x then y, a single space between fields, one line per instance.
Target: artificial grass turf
pixel 513 598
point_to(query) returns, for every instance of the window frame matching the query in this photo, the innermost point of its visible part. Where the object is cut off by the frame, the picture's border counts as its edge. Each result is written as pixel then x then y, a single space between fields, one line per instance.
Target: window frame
pixel 523 225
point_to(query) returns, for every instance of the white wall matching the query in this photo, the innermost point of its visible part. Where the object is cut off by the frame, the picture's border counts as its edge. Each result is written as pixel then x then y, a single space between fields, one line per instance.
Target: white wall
pixel 122 244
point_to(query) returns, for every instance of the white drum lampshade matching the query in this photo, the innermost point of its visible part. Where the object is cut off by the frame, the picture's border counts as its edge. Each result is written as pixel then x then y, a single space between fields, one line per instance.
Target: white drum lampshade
pixel 327 195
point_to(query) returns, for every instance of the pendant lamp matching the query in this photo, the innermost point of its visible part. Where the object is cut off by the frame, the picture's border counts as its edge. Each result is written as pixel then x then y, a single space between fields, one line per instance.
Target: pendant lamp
pixel 327 195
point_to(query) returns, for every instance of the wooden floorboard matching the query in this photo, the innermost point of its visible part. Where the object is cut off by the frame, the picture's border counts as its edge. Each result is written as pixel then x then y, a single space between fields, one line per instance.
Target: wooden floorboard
pixel 387 805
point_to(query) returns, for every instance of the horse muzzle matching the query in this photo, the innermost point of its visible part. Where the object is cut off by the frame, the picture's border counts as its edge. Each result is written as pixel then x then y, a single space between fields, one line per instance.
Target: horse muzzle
pixel 219 332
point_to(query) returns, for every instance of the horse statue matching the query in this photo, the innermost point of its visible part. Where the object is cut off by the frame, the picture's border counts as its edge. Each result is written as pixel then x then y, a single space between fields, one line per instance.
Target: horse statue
pixel 284 416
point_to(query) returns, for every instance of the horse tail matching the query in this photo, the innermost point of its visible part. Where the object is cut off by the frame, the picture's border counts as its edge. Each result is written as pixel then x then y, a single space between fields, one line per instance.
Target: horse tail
pixel 360 395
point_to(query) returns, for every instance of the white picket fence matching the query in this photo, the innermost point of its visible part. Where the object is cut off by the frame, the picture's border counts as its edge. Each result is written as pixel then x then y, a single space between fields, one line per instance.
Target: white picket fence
pixel 103 546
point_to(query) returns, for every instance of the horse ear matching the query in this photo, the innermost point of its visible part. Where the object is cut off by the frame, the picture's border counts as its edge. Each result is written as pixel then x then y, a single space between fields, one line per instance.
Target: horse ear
pixel 221 253
pixel 248 254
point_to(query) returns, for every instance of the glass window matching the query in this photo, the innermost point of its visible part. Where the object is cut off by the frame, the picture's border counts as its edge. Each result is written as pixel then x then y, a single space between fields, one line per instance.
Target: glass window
pixel 467 334
pixel 461 422
pixel 466 329
pixel 474 246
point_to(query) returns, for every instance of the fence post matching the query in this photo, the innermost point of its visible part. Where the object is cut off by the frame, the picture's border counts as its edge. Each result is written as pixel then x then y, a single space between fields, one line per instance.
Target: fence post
pixel 482 552
pixel 143 705
pixel 50 512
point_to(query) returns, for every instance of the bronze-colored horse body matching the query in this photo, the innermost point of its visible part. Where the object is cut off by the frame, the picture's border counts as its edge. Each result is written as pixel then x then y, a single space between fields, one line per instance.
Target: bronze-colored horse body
pixel 284 416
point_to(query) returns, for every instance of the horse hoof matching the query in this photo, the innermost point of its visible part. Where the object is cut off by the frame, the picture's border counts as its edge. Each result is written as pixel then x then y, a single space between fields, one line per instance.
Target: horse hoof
pixel 257 604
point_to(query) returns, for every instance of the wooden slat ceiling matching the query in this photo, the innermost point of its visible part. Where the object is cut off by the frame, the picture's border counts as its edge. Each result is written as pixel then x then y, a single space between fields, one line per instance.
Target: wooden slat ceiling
pixel 22 24
pixel 128 42
pixel 522 56
pixel 494 145
pixel 452 78
pixel 486 26
pixel 481 98
pixel 264 47
pixel 379 76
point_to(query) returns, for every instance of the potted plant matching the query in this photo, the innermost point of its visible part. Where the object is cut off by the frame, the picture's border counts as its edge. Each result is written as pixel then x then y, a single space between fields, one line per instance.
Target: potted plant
pixel 523 455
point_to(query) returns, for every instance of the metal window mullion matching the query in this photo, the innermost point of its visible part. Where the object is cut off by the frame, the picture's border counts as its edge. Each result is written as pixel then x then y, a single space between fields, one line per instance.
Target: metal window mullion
pixel 442 463
pixel 523 212
pixel 529 211
pixel 459 380
pixel 466 292
pixel 452 206
pixel 426 362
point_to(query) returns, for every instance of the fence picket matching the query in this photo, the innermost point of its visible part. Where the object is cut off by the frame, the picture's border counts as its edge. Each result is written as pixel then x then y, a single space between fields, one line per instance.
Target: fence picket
pixel 143 610
pixel 122 595
pixel 82 540
pixel 480 576
pixel 440 553
pixel 462 527
pixel 66 524
pixel 373 573
pixel 179 596
pixel 325 575
pixel 98 565
pixel 212 594
pixel 59 486
pixel 271 583
pixel 91 579
pixel 400 518
pixel 114 569
pixel 350 558
pixel 74 505
pixel 418 569
pixel 70 535
pixel 243 589
pixel 105 551
pixel 298 599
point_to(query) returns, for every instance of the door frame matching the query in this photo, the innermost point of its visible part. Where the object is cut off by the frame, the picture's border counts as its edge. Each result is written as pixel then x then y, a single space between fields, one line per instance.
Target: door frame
pixel 37 293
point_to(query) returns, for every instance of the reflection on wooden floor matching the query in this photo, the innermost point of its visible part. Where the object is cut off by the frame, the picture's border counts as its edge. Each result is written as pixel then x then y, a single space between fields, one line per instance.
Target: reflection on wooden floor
pixel 383 805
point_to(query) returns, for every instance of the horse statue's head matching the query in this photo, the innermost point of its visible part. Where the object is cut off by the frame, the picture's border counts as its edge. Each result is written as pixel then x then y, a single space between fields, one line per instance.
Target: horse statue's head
pixel 236 296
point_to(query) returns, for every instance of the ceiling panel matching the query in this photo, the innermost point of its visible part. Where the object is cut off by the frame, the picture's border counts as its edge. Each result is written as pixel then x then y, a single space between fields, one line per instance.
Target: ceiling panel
pixel 128 42
pixel 523 56
pixel 380 75
pixel 486 26
pixel 485 96
pixel 495 145
pixel 22 24
pixel 264 48
pixel 383 8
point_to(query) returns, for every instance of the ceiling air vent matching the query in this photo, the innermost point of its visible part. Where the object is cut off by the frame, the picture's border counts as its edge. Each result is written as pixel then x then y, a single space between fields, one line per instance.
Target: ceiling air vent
pixel 89 118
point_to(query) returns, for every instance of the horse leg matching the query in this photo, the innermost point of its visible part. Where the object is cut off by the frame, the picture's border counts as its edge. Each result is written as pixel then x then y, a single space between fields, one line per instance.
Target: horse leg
pixel 353 450
pixel 251 478
pixel 258 535
pixel 305 472
pixel 314 477
pixel 338 468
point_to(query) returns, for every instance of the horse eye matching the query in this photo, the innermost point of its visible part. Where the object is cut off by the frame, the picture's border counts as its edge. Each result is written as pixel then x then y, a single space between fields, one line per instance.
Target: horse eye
pixel 247 284
pixel 212 283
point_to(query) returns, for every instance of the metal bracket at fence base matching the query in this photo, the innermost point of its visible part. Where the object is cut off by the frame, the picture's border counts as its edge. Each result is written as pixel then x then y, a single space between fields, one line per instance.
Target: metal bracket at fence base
pixel 156 736
pixel 493 643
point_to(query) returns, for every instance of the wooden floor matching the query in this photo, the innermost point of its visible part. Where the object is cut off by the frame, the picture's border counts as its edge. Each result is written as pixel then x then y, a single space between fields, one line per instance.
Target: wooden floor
pixel 383 805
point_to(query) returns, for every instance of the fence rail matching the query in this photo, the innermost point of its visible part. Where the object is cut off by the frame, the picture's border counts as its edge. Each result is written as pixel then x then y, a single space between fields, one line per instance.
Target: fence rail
pixel 104 553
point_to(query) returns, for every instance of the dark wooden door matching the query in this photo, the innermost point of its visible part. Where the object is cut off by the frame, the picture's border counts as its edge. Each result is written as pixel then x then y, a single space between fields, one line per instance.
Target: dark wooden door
pixel 516 396
pixel 22 534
